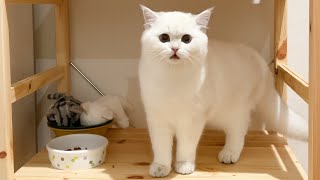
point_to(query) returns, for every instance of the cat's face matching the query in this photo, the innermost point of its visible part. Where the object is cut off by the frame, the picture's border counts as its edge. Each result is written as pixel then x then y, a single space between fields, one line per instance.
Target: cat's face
pixel 93 114
pixel 175 37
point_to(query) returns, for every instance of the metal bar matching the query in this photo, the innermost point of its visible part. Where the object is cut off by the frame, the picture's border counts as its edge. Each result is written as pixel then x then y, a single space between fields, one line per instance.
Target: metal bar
pixel 84 76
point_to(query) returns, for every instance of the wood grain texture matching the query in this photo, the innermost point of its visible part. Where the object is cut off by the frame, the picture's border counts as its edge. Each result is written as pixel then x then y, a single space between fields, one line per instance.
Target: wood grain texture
pixel 34 1
pixel 35 82
pixel 6 137
pixel 265 156
pixel 314 92
pixel 280 38
pixel 294 81
pixel 62 44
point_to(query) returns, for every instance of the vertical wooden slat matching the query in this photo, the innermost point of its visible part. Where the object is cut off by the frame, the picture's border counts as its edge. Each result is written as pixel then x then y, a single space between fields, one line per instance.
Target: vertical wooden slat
pixel 6 139
pixel 314 92
pixel 62 44
pixel 280 42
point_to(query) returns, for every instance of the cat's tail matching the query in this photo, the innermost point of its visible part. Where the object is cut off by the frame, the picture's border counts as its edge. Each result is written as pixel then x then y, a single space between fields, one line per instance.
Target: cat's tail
pixel 279 117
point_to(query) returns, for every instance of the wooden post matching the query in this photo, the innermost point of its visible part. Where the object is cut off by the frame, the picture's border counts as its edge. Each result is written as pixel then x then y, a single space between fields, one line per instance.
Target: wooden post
pixel 280 42
pixel 6 137
pixel 62 44
pixel 314 92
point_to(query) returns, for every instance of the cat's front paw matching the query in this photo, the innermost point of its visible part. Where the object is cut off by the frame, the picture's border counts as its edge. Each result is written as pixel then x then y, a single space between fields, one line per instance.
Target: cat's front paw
pixel 123 123
pixel 159 170
pixel 184 167
pixel 229 156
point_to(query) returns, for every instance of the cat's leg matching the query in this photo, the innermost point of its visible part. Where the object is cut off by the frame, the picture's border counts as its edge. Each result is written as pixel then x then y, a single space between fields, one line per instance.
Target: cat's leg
pixel 122 119
pixel 161 135
pixel 188 135
pixel 236 122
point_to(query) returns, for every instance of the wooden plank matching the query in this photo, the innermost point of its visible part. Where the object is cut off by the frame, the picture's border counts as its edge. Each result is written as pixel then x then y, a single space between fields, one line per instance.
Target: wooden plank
pixel 314 92
pixel 35 82
pixel 300 86
pixel 129 155
pixel 62 44
pixel 280 39
pixel 6 137
pixel 34 1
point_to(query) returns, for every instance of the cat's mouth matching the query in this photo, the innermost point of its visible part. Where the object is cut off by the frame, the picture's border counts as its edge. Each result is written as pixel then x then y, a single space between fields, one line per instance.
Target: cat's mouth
pixel 175 57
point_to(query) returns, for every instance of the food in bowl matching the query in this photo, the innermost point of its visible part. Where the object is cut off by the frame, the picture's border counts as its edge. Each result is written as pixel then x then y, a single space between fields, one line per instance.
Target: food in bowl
pixel 77 151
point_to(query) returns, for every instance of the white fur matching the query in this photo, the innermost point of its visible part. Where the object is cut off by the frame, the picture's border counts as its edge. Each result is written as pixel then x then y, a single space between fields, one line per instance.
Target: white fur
pixel 105 108
pixel 219 84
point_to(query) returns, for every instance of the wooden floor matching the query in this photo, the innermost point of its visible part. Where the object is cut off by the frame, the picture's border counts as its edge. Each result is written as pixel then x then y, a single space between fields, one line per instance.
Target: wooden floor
pixel 265 156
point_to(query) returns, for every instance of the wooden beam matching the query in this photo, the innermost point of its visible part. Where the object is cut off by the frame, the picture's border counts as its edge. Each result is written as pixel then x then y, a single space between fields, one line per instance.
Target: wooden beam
pixel 35 82
pixel 280 39
pixel 314 92
pixel 293 80
pixel 57 2
pixel 6 136
pixel 62 44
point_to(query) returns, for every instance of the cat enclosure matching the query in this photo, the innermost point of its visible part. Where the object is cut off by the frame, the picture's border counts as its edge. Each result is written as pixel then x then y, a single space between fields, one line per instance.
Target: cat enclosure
pixel 266 155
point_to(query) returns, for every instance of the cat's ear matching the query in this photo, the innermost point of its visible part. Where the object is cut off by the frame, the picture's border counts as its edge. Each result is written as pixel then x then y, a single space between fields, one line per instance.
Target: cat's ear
pixel 85 107
pixel 107 115
pixel 203 18
pixel 149 16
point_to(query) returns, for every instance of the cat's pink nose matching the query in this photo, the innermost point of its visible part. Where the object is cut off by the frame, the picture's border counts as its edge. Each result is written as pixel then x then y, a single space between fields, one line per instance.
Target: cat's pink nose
pixel 175 50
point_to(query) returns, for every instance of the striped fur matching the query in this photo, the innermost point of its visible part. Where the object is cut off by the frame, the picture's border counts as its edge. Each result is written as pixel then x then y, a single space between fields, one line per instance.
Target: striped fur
pixel 64 112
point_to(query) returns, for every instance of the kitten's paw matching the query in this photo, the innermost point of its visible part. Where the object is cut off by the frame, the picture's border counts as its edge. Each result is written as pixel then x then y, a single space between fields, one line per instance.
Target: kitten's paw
pixel 184 167
pixel 159 170
pixel 123 123
pixel 228 156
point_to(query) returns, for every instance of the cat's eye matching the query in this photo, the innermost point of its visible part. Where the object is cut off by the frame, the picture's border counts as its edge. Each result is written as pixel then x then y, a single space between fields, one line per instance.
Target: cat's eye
pixel 164 38
pixel 186 38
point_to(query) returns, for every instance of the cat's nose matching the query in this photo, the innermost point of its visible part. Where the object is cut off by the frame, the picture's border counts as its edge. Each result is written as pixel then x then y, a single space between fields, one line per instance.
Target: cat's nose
pixel 175 50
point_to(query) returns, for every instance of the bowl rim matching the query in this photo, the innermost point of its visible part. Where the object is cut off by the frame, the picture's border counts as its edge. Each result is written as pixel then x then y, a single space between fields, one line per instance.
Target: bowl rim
pixel 82 127
pixel 105 144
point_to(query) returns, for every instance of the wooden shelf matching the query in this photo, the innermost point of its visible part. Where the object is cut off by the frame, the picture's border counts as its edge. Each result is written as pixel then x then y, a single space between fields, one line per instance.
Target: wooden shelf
pixel 34 1
pixel 265 156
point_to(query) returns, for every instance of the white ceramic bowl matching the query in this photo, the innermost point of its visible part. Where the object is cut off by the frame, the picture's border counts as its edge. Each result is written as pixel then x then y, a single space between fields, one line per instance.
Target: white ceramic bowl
pixel 92 153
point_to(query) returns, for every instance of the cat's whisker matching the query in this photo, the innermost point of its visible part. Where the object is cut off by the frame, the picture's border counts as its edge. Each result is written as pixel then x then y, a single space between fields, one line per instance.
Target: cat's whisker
pixel 196 59
pixel 196 66
pixel 192 63
pixel 187 59
pixel 184 62
pixel 161 54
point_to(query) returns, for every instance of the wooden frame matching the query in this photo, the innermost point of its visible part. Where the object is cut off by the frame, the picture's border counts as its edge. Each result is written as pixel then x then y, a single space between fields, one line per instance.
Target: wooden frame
pixel 314 92
pixel 11 93
pixel 6 138
pixel 61 73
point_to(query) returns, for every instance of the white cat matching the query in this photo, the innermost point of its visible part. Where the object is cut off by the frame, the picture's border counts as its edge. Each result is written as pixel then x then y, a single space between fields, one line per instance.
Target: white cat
pixel 186 83
pixel 103 109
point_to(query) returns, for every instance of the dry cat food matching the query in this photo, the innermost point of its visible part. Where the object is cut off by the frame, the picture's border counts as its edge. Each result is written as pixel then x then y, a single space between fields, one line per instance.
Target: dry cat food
pixel 75 149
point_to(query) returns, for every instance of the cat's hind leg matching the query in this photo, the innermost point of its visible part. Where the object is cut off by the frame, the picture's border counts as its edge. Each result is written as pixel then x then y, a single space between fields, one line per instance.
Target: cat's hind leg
pixel 235 125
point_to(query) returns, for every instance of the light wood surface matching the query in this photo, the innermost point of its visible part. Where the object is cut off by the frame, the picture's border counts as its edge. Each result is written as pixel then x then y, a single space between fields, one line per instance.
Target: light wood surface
pixel 6 139
pixel 35 1
pixel 35 82
pixel 314 93
pixel 62 44
pixel 129 155
pixel 280 39
pixel 296 83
